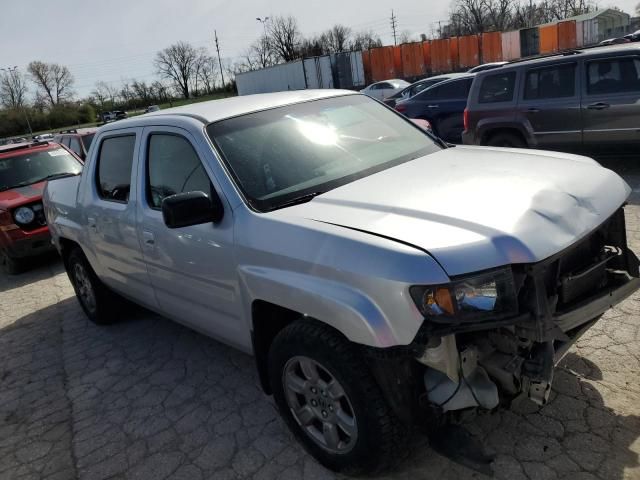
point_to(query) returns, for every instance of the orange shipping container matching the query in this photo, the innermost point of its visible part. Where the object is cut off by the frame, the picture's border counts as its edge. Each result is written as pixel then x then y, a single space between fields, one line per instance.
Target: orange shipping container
pixel 440 56
pixel 366 66
pixel 567 35
pixel 426 55
pixel 412 60
pixel 454 53
pixel 491 47
pixel 382 64
pixel 397 61
pixel 469 51
pixel 548 38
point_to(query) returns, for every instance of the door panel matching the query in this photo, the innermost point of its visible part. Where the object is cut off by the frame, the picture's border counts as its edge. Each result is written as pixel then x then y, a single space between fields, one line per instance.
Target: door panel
pixel 550 105
pixel 111 217
pixel 192 268
pixel 611 104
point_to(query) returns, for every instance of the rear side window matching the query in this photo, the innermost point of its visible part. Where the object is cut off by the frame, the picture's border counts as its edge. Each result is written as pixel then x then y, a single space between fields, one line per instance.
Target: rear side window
pixel 454 90
pixel 114 168
pixel 497 88
pixel 173 167
pixel 552 82
pixel 613 75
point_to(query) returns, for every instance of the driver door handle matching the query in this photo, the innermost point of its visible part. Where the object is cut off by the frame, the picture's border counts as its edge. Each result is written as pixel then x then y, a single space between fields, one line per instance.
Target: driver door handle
pixel 433 106
pixel 91 222
pixel 533 110
pixel 598 106
pixel 148 239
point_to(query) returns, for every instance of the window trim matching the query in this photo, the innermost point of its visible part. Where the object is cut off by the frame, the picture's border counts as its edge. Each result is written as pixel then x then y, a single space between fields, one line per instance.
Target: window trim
pixel 147 179
pixel 576 76
pixel 587 61
pixel 96 176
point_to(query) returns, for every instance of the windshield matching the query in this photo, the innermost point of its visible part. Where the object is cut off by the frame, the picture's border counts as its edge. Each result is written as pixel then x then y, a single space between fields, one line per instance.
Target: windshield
pixel 33 167
pixel 278 155
pixel 87 139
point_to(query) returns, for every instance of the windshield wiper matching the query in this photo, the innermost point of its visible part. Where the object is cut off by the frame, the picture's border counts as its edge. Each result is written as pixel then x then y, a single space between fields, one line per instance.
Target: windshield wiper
pixel 53 176
pixel 298 200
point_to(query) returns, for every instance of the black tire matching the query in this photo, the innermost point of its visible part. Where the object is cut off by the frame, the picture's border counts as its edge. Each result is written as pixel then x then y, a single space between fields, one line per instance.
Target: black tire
pixel 380 439
pixel 8 264
pixel 106 305
pixel 506 140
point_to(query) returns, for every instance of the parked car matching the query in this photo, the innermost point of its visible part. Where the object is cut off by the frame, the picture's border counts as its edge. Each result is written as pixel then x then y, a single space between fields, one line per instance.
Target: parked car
pixel 582 102
pixel 151 108
pixel 442 105
pixel 382 90
pixel 486 66
pixel 418 86
pixel 614 41
pixel 633 37
pixel 392 276
pixel 24 170
pixel 77 140
pixel 44 137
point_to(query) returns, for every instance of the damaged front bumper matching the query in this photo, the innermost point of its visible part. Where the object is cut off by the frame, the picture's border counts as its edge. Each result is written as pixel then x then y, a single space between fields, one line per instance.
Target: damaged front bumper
pixel 480 364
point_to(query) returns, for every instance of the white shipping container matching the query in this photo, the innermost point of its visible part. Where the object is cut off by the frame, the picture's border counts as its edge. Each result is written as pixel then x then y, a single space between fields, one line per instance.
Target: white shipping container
pixel 357 69
pixel 279 78
pixel 318 72
pixel 511 45
pixel 590 33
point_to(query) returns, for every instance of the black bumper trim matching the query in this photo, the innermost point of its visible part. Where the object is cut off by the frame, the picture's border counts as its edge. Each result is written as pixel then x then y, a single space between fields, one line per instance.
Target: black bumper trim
pixel 596 306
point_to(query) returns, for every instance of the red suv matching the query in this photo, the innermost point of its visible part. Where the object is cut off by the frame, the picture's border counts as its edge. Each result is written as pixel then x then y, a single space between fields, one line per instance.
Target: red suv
pixel 24 170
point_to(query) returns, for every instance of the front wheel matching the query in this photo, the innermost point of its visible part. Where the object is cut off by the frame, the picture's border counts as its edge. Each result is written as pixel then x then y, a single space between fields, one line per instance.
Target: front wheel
pixel 98 302
pixel 330 400
pixel 8 264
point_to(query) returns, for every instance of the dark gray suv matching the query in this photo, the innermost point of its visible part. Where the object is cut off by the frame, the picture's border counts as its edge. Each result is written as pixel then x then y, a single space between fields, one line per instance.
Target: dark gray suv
pixel 582 100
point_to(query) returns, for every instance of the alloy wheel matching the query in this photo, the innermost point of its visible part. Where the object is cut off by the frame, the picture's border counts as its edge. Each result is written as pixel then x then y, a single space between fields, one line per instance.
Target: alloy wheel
pixel 84 287
pixel 320 405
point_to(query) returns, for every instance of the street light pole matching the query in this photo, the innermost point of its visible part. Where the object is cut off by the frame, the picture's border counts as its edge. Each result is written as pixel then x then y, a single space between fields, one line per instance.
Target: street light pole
pixel 12 71
pixel 263 21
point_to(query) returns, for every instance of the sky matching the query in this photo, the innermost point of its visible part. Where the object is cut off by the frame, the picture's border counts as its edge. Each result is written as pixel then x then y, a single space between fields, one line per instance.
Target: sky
pixel 112 40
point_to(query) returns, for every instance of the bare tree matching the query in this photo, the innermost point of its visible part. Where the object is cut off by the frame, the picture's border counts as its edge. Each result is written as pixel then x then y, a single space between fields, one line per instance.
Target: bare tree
pixel 337 38
pixel 365 40
pixel 13 89
pixel 500 14
pixel 208 73
pixel 100 94
pixel 160 91
pixel 285 37
pixel 405 37
pixel 54 82
pixel 470 16
pixel 178 64
pixel 142 91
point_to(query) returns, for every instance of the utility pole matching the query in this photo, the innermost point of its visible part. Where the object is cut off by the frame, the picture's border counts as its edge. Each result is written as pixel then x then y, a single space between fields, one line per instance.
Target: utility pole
pixel 394 24
pixel 531 13
pixel 12 71
pixel 215 33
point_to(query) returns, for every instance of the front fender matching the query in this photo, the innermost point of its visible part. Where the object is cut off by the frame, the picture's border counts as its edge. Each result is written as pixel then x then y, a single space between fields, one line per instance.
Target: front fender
pixel 346 309
pixel 487 125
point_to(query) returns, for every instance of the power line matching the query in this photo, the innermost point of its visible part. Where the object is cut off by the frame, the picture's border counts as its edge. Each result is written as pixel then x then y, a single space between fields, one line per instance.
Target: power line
pixel 394 24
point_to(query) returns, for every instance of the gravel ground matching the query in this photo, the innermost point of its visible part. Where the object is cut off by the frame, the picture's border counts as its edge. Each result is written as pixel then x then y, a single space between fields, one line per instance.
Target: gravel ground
pixel 149 399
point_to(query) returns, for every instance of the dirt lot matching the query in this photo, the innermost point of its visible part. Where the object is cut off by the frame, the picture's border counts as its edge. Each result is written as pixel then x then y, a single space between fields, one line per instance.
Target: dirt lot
pixel 149 399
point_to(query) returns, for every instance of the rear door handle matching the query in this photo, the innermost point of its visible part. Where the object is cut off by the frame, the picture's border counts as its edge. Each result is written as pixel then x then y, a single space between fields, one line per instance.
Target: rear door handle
pixel 433 106
pixel 533 110
pixel 149 239
pixel 598 106
pixel 92 224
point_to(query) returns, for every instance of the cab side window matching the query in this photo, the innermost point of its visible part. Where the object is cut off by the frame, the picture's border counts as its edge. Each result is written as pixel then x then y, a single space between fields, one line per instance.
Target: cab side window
pixel 613 75
pixel 173 167
pixel 114 168
pixel 552 82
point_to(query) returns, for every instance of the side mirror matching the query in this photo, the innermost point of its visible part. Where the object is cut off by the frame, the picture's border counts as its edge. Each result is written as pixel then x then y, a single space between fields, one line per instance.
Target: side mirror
pixel 191 208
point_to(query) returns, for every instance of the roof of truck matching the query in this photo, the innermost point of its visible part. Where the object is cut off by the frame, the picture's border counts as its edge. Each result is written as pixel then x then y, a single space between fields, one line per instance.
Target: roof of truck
pixel 215 110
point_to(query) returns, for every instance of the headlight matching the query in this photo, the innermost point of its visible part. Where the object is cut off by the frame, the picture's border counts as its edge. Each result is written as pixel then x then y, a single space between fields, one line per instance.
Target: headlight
pixel 482 297
pixel 24 215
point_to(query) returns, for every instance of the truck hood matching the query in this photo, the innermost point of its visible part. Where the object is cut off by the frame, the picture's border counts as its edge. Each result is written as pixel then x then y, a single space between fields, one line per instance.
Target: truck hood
pixel 18 196
pixel 475 208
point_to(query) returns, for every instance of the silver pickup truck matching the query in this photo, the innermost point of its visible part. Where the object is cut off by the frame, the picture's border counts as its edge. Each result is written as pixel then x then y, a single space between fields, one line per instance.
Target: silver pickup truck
pixel 380 277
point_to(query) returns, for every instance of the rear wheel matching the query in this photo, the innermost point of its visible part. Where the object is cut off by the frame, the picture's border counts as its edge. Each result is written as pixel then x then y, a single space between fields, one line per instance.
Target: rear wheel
pixel 8 264
pixel 330 400
pixel 98 302
pixel 507 140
